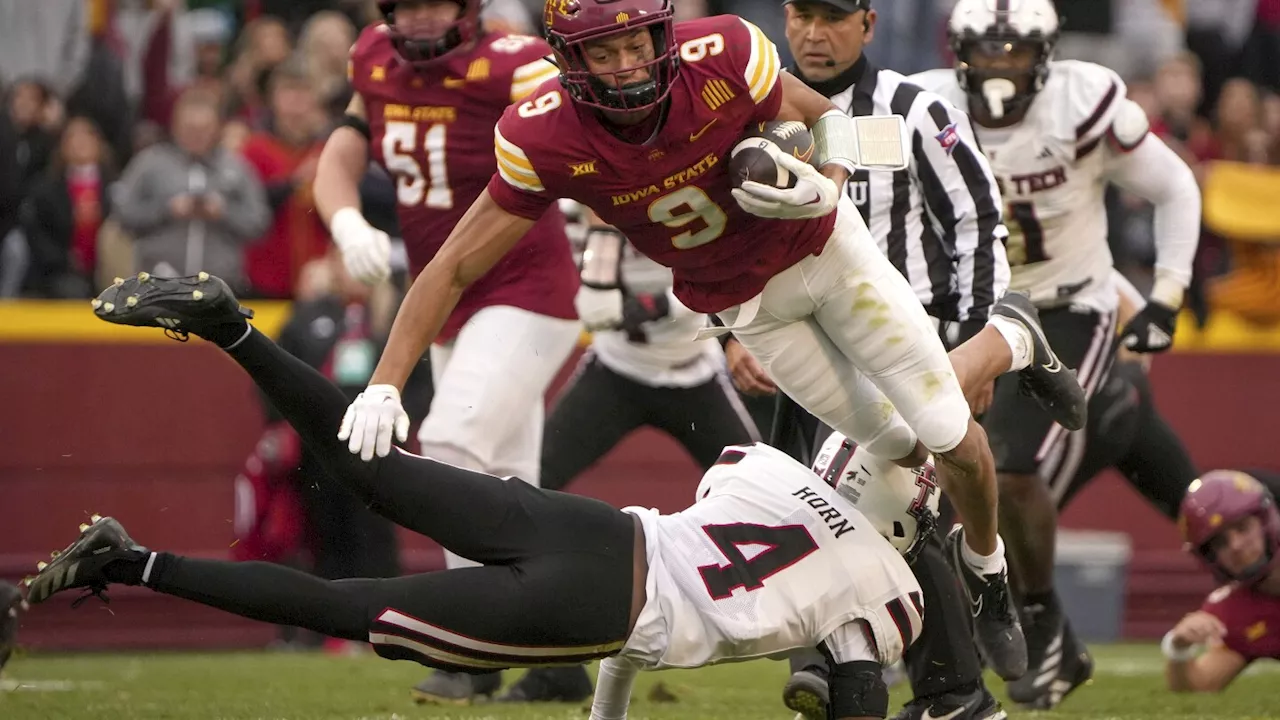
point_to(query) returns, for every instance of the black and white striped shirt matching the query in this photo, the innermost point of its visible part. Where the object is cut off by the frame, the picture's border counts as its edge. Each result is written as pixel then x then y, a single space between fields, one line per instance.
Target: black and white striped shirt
pixel 938 221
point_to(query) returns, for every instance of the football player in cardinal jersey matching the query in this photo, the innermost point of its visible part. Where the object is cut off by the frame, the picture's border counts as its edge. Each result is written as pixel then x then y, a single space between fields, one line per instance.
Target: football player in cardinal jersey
pixel 769 558
pixel 638 128
pixel 1230 522
pixel 430 85
pixel 1056 133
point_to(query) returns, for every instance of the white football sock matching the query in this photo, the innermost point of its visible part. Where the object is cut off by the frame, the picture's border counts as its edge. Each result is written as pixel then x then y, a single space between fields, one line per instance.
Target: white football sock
pixel 983 564
pixel 1018 337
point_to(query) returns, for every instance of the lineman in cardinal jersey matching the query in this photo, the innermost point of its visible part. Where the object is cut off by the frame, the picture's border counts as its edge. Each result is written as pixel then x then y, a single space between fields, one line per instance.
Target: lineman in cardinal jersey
pixel 430 84
pixel 643 369
pixel 1056 132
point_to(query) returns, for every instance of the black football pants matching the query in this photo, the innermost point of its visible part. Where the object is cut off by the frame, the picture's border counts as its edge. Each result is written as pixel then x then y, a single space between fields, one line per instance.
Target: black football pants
pixel 555 587
pixel 599 407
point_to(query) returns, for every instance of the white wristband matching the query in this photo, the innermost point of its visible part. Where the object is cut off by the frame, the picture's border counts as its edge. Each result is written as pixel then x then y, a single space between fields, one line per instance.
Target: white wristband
pixel 1173 653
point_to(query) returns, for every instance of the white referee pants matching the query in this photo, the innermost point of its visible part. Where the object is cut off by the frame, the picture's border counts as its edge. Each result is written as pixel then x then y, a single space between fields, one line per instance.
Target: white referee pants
pixel 487 411
pixel 843 334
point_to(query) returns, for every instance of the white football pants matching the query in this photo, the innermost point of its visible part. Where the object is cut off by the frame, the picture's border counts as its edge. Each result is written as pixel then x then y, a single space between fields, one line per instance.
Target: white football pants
pixel 487 411
pixel 843 334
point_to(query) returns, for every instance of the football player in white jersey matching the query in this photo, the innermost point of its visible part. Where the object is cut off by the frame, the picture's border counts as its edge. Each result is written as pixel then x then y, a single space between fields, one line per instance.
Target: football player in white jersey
pixel 769 558
pixel 1056 133
pixel 753 490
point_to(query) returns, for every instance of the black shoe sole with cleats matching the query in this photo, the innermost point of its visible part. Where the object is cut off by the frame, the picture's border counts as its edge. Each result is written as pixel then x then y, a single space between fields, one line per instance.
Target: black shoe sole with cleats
pixel 1053 385
pixel 808 694
pixel 178 306
pixel 997 631
pixel 80 565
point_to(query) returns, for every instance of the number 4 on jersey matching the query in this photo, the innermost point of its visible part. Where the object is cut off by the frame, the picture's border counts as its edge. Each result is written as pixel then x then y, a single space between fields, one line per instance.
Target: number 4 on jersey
pixel 784 546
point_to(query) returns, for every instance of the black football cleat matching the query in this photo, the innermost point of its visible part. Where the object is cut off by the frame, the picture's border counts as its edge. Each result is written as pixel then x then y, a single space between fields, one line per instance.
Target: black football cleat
pixel 1053 385
pixel 1060 663
pixel 103 540
pixel 191 304
pixel 451 688
pixel 808 693
pixel 978 704
pixel 11 607
pixel 997 630
pixel 553 684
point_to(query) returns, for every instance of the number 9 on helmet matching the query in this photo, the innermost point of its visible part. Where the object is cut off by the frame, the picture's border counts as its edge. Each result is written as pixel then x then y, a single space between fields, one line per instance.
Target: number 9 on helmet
pixel 901 503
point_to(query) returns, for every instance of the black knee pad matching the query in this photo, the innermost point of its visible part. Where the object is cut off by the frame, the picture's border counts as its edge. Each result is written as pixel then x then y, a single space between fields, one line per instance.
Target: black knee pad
pixel 858 690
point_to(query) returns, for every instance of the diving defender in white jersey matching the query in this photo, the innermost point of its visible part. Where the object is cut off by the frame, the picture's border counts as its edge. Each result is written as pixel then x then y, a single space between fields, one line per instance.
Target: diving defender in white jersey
pixel 565 579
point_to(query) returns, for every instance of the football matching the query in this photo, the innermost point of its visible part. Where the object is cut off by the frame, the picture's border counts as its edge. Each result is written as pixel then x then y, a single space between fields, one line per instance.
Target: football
pixel 749 159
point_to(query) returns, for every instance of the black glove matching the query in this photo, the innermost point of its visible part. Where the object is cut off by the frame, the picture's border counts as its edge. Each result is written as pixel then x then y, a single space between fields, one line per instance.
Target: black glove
pixel 640 309
pixel 1151 330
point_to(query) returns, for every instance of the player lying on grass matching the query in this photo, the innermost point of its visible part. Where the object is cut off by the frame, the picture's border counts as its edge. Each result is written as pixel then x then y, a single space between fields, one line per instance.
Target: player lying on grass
pixel 769 559
pixel 1229 521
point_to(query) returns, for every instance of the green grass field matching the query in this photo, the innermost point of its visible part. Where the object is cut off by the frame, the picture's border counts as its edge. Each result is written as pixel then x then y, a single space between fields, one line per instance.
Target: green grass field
pixel 292 686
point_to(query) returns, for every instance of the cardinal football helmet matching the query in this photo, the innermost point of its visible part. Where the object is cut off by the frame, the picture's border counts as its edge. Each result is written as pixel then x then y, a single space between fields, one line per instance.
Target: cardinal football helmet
pixel 421 52
pixel 570 24
pixel 1216 500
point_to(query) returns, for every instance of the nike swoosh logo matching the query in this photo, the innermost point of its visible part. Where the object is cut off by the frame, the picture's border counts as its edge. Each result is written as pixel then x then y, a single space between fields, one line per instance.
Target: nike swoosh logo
pixel 693 137
pixel 976 608
pixel 1056 365
pixel 928 714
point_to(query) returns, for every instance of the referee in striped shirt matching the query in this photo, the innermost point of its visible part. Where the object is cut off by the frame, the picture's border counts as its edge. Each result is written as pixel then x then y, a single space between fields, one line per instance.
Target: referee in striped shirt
pixel 939 223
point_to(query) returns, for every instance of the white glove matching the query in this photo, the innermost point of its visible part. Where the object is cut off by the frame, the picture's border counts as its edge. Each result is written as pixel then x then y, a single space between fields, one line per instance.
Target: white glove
pixel 599 309
pixel 813 196
pixel 370 420
pixel 366 250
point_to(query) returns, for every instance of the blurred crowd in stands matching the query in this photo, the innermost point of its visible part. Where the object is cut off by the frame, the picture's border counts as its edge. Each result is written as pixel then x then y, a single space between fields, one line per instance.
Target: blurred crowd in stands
pixel 178 135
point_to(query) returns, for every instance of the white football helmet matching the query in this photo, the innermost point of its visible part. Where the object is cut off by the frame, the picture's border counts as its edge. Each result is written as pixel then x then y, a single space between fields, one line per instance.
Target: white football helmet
pixel 902 504
pixel 1002 30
